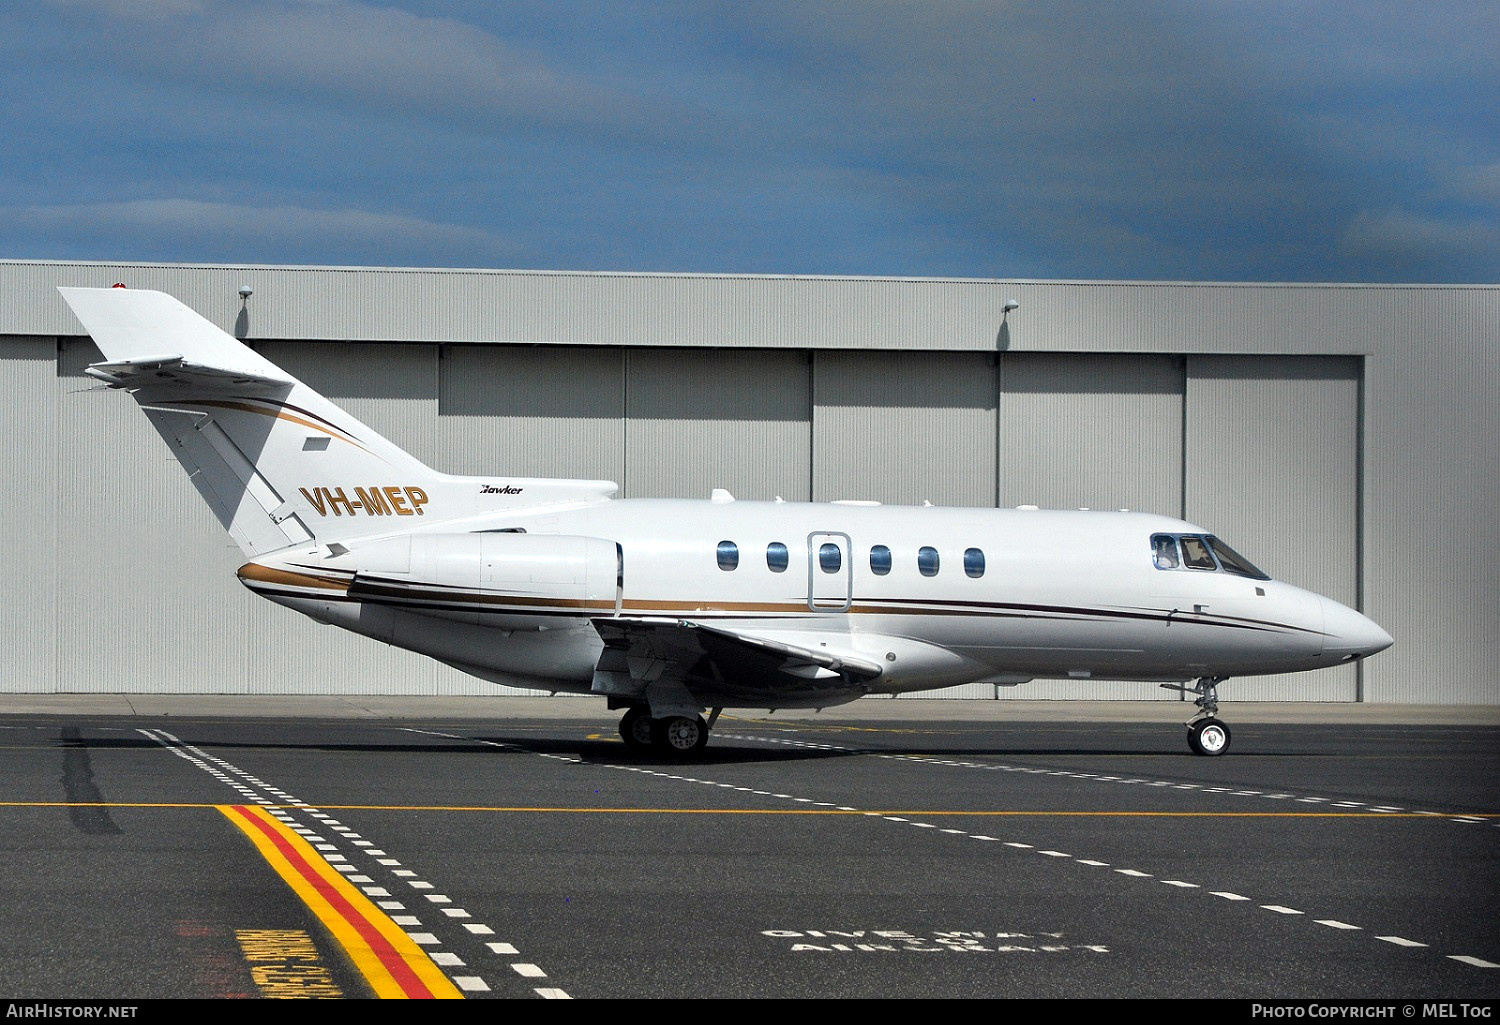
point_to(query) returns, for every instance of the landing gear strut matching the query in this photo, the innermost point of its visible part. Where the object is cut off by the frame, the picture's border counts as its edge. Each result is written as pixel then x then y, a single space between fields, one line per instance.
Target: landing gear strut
pixel 1207 735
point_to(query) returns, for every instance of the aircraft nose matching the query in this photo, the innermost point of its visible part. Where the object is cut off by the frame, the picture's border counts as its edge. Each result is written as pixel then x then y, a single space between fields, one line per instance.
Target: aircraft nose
pixel 1350 634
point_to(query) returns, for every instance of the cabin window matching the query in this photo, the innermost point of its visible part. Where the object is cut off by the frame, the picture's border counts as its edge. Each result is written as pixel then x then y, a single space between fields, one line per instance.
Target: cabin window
pixel 729 555
pixel 927 561
pixel 880 560
pixel 974 562
pixel 777 557
pixel 830 558
pixel 1233 561
pixel 1164 551
pixel 1195 554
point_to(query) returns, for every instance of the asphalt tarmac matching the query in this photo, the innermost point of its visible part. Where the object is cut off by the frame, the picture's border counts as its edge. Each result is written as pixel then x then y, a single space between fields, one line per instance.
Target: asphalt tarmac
pixel 166 847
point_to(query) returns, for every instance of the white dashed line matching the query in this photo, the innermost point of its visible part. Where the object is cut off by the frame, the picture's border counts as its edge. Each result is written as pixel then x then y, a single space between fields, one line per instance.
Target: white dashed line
pixel 1476 962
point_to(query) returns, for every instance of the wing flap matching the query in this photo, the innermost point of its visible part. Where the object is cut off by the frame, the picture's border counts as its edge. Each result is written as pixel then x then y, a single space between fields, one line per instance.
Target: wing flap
pixel 723 666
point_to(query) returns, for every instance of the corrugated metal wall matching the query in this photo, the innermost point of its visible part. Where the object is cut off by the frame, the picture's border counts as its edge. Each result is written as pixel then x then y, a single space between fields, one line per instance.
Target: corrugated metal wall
pixel 730 418
pixel 904 427
pixel 532 411
pixel 1205 397
pixel 29 480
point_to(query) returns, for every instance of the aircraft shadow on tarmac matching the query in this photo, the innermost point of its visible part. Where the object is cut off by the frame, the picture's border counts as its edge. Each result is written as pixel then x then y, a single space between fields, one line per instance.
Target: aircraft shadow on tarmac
pixel 1150 742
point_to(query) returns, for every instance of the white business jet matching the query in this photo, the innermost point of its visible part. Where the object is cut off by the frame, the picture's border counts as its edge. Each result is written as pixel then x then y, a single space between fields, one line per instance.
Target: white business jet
pixel 670 608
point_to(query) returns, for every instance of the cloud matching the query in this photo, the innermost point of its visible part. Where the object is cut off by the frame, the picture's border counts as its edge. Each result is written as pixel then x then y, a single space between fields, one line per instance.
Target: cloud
pixel 1396 244
pixel 383 59
pixel 1072 139
pixel 236 233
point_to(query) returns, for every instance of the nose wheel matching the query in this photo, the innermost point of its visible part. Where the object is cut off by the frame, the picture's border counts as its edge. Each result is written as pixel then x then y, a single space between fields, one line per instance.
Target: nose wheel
pixel 1207 734
pixel 1208 737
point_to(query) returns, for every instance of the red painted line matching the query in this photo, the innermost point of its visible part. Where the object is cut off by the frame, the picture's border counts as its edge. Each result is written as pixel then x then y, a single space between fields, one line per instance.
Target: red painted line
pixel 394 963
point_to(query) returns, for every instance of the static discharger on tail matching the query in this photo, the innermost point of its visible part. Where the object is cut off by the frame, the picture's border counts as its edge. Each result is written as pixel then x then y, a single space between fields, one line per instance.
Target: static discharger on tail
pixel 670 609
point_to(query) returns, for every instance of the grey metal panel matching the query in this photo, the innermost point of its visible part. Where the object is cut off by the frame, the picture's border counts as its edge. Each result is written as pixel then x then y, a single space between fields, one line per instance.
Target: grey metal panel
pixel 1432 406
pixel 1091 431
pixel 148 600
pixel 1272 467
pixel 904 428
pixel 723 418
pixel 571 308
pixel 532 411
pixel 28 529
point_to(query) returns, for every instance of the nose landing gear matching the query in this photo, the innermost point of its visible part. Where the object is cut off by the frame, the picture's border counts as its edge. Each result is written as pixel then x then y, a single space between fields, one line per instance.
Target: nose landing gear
pixel 1206 734
pixel 1208 737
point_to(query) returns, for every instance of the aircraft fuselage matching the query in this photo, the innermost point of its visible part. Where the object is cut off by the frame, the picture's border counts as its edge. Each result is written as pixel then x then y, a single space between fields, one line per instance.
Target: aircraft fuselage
pixel 934 596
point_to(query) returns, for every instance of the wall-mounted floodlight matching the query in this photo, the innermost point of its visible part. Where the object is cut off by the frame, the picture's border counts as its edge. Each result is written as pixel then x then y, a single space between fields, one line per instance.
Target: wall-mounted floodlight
pixel 246 292
pixel 1011 304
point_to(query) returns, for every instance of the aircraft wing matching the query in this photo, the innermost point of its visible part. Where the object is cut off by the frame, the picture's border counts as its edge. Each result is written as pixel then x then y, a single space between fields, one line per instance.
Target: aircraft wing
pixel 723 666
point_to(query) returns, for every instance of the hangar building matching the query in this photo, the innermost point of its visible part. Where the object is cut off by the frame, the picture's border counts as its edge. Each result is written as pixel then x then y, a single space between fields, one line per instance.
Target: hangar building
pixel 1341 436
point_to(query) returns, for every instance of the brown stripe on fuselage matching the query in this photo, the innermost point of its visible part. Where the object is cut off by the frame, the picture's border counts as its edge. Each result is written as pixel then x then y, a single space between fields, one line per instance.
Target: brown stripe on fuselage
pixel 254 571
pixel 455 598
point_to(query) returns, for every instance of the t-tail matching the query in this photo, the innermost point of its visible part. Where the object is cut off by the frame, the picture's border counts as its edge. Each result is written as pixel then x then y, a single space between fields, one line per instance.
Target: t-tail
pixel 279 464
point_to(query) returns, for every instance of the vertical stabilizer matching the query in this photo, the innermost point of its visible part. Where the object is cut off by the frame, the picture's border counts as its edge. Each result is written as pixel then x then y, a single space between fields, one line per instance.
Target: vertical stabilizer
pixel 277 462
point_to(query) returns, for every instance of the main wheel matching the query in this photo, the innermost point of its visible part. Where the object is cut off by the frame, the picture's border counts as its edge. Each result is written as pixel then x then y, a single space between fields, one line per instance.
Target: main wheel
pixel 635 729
pixel 679 735
pixel 1208 737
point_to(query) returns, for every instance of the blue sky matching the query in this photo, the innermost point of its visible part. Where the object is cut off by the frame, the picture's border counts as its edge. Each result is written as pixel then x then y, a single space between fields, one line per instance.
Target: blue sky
pixel 1230 141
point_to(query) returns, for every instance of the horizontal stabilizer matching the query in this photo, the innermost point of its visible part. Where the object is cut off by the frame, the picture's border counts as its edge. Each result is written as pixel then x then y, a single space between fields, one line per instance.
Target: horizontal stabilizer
pixel 135 328
pixel 170 370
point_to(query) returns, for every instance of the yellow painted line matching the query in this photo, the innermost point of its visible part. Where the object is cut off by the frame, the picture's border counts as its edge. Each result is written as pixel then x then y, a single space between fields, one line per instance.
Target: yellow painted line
pixel 389 959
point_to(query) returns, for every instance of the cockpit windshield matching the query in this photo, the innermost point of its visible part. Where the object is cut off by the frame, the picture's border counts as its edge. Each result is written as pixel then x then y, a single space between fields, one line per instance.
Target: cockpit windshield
pixel 1200 552
pixel 1233 562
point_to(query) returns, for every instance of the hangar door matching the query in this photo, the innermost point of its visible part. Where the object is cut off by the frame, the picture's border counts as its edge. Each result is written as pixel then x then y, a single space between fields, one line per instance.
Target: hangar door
pixel 1271 463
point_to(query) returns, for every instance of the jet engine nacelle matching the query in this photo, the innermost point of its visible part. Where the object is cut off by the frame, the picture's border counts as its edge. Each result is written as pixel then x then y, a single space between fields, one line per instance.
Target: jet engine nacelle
pixel 508 580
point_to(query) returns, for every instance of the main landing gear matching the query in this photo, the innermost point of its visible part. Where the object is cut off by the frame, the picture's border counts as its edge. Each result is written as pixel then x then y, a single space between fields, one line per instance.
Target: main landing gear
pixel 1206 734
pixel 677 736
